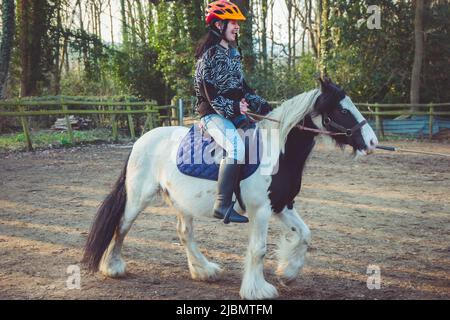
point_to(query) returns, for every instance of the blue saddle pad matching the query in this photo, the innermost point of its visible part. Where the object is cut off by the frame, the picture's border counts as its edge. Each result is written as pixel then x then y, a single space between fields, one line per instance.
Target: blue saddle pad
pixel 199 155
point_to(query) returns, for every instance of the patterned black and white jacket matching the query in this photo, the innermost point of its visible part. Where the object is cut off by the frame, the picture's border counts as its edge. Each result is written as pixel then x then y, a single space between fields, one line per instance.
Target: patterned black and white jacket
pixel 221 70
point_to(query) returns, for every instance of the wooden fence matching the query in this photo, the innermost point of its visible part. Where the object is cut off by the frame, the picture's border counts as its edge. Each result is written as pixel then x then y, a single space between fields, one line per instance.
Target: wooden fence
pixel 67 106
pixel 176 112
pixel 378 112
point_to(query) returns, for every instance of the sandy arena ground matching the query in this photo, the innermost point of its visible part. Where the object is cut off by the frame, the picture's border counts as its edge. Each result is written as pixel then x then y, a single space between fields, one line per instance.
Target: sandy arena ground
pixel 391 210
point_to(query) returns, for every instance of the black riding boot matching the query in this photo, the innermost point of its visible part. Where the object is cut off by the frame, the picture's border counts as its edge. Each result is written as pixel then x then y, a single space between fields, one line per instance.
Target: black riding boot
pixel 223 207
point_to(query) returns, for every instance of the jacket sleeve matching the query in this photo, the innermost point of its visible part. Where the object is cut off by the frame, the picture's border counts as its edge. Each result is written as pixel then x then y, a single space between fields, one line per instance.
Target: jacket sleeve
pixel 224 106
pixel 256 103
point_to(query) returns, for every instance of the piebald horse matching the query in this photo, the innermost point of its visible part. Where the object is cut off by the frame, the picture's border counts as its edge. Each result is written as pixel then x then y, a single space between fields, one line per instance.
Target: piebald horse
pixel 151 168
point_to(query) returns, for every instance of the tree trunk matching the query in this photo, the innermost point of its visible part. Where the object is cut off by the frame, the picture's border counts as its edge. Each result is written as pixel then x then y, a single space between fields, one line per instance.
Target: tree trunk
pixel 324 37
pixel 24 31
pixel 312 32
pixel 124 24
pixel 56 68
pixel 418 53
pixel 111 22
pixel 141 22
pixel 289 58
pixel 272 34
pixel 33 16
pixel 8 18
pixel 294 36
pixel 264 35
pixel 132 24
pixel 246 39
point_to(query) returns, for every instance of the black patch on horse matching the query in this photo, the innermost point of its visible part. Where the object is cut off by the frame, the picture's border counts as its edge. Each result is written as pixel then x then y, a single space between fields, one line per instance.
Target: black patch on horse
pixel 286 183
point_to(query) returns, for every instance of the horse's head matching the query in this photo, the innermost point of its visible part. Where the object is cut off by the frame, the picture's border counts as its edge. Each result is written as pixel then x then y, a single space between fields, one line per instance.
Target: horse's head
pixel 335 112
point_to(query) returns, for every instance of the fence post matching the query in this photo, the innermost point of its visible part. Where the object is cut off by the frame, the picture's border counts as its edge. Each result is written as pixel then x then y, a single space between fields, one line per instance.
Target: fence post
pixel 173 112
pixel 431 121
pixel 26 130
pixel 148 121
pixel 130 123
pixel 68 124
pixel 114 125
pixel 180 112
pixel 378 124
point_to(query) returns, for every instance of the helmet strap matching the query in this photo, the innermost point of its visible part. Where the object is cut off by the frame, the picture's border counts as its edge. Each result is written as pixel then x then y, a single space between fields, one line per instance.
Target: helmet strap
pixel 213 30
pixel 218 32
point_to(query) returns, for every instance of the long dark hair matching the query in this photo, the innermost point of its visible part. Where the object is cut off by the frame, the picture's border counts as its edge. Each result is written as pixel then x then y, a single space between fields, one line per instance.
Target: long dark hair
pixel 210 39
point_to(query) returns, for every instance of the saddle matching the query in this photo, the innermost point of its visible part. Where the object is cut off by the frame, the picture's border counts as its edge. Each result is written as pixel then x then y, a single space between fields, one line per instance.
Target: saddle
pixel 199 155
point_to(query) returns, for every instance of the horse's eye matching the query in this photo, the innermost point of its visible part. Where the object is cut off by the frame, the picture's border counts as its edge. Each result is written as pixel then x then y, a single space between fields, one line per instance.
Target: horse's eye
pixel 344 111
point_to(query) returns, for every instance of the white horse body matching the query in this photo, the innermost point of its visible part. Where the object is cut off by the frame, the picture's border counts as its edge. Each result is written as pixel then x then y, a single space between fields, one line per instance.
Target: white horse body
pixel 152 168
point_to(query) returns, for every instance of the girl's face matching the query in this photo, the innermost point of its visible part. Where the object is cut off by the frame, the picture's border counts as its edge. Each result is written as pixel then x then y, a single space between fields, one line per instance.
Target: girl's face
pixel 232 30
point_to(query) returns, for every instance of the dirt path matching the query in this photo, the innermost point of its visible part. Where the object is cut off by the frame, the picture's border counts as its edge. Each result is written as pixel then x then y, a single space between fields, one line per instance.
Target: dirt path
pixel 389 210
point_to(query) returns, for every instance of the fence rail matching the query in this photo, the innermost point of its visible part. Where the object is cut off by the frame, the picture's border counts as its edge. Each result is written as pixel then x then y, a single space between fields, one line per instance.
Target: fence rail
pixel 377 111
pixel 176 112
pixel 154 118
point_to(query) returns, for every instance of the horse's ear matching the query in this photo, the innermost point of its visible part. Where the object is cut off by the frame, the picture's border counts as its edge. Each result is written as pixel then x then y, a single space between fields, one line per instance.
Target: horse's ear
pixel 325 82
pixel 322 83
pixel 327 79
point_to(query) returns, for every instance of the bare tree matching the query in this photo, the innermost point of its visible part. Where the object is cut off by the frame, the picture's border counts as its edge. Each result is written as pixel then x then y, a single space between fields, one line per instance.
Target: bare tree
pixel 305 17
pixel 111 22
pixel 418 52
pixel 323 12
pixel 290 41
pixel 264 35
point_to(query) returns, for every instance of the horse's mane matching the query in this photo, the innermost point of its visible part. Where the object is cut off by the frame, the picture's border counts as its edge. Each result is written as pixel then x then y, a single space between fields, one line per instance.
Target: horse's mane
pixel 290 113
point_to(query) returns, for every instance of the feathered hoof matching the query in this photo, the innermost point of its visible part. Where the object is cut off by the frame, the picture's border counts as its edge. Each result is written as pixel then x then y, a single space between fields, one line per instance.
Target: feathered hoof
pixel 286 276
pixel 258 291
pixel 113 268
pixel 209 272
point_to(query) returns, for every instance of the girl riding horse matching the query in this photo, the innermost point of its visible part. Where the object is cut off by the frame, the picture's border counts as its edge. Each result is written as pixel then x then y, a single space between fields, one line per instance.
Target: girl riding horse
pixel 223 97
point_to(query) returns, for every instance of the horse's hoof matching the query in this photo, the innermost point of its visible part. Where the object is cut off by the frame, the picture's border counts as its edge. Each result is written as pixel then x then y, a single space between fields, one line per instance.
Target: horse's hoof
pixel 286 276
pixel 209 272
pixel 114 269
pixel 259 292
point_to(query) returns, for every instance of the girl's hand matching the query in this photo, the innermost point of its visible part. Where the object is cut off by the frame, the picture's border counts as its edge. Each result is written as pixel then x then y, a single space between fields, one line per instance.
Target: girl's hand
pixel 243 106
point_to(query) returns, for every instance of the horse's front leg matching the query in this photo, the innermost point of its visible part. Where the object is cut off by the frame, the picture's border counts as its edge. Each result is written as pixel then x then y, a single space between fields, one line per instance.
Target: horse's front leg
pixel 254 286
pixel 293 245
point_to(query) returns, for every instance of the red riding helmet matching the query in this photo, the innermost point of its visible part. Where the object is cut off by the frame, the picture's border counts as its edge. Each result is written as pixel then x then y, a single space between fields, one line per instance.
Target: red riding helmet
pixel 223 10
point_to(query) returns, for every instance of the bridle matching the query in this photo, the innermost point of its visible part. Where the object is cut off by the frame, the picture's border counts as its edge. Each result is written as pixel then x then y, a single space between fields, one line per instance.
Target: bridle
pixel 326 121
pixel 329 123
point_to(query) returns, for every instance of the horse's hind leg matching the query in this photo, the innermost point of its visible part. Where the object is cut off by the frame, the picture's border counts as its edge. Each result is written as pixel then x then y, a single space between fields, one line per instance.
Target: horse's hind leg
pixel 139 195
pixel 199 267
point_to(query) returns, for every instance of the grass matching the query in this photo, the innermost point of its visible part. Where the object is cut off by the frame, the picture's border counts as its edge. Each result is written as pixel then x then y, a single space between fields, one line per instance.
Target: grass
pixel 47 139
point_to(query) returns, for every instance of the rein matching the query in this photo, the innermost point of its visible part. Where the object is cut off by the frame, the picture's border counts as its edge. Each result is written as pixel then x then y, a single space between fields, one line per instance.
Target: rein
pixel 344 131
pixel 252 115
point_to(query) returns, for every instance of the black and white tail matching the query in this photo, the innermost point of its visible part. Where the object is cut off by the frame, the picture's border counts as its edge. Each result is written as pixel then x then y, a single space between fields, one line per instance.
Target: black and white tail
pixel 105 223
